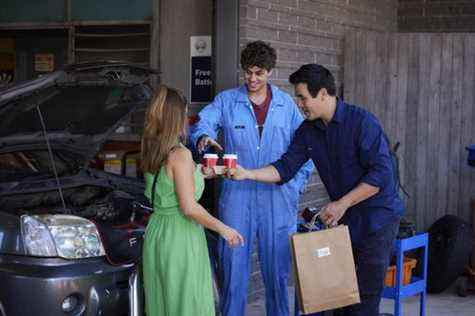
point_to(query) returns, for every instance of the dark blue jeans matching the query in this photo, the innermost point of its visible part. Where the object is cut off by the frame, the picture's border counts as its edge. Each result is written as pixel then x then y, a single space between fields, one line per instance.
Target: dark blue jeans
pixel 372 258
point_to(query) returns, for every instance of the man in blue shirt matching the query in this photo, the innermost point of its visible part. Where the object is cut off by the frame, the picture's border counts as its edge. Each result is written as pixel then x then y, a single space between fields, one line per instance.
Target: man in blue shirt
pixel 351 153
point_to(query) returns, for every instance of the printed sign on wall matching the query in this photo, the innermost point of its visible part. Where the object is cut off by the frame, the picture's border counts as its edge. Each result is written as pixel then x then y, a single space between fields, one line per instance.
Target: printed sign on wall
pixel 44 62
pixel 201 79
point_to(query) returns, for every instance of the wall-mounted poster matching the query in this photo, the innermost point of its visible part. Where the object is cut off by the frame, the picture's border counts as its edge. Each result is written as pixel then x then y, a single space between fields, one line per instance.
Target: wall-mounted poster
pixel 44 62
pixel 201 79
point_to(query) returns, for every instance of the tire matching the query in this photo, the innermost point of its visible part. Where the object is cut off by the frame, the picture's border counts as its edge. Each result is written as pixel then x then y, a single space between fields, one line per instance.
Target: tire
pixel 450 244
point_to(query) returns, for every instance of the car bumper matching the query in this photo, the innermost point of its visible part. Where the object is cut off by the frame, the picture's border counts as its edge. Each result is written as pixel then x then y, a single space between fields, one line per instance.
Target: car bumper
pixel 40 286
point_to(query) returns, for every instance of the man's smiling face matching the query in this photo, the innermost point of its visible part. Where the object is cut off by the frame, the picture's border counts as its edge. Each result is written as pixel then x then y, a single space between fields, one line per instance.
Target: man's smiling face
pixel 256 78
pixel 312 107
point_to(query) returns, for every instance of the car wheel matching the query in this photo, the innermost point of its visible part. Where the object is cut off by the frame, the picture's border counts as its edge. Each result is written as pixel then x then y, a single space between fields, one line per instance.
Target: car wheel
pixel 450 244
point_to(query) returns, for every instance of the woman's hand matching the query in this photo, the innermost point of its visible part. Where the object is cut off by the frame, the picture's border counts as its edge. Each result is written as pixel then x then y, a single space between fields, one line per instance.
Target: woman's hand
pixel 208 172
pixel 232 237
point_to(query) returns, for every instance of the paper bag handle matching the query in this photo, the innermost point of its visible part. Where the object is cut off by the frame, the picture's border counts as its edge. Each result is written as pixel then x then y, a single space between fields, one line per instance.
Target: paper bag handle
pixel 310 224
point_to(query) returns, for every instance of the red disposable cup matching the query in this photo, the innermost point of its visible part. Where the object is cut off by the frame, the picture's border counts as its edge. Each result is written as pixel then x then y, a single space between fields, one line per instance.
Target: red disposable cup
pixel 230 160
pixel 210 160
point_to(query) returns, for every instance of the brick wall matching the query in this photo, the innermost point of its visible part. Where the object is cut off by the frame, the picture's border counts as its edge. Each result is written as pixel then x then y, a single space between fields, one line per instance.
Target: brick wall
pixel 305 31
pixel 308 31
pixel 436 16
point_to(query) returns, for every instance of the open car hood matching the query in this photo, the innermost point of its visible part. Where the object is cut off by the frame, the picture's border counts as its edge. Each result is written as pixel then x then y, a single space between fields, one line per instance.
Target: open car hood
pixel 79 106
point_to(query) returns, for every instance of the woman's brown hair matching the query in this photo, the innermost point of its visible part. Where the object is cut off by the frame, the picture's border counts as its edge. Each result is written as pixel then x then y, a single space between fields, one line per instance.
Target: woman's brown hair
pixel 165 124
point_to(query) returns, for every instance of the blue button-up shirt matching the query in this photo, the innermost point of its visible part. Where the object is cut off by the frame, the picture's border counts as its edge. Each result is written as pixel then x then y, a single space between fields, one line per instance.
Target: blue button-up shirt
pixel 351 149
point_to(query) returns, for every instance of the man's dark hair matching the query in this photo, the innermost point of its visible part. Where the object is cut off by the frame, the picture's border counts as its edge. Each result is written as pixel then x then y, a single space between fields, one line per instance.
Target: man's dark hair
pixel 258 54
pixel 316 77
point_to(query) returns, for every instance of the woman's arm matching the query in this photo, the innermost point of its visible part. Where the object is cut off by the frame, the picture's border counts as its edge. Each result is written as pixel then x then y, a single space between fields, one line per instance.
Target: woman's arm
pixel 181 169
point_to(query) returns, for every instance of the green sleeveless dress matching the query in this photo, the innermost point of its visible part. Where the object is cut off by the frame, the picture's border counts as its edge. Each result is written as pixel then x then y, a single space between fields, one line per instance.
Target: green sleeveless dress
pixel 176 266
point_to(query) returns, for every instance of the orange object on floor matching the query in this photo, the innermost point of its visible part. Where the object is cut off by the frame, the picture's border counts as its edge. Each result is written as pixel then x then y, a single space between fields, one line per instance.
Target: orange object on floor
pixel 390 279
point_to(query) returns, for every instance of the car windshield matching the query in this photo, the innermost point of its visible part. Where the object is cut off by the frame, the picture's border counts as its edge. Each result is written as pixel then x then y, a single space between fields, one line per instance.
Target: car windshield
pixel 35 164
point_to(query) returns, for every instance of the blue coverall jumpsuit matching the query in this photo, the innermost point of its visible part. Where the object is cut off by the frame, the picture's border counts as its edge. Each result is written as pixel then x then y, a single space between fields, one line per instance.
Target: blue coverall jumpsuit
pixel 265 211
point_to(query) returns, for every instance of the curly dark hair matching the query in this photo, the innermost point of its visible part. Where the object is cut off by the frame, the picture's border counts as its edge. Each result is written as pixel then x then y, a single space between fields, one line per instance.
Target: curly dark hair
pixel 316 77
pixel 258 54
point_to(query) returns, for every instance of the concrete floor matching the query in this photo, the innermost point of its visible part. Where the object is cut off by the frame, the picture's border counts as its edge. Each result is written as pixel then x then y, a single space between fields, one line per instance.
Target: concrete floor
pixel 447 303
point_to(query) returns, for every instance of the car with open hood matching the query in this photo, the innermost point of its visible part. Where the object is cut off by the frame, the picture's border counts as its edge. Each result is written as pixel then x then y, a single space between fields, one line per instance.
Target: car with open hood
pixel 52 259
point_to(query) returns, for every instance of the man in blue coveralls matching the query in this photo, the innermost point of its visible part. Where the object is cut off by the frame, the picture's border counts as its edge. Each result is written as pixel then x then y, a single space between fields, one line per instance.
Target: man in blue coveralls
pixel 257 121
pixel 351 153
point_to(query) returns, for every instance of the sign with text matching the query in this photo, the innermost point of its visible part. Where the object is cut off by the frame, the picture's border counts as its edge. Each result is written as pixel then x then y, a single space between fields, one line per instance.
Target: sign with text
pixel 201 83
pixel 201 78
pixel 44 62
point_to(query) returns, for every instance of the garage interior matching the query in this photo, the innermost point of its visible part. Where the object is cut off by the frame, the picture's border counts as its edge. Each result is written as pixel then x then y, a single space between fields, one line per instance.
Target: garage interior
pixel 419 56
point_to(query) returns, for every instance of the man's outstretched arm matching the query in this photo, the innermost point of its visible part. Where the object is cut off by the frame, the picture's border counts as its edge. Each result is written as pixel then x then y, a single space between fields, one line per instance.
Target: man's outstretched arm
pixel 280 171
pixel 268 174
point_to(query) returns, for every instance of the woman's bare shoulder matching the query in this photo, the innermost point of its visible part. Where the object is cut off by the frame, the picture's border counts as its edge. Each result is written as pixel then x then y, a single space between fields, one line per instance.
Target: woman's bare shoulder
pixel 179 156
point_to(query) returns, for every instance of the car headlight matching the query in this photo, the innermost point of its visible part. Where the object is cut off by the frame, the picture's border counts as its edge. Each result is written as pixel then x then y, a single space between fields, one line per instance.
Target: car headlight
pixel 66 236
pixel 37 237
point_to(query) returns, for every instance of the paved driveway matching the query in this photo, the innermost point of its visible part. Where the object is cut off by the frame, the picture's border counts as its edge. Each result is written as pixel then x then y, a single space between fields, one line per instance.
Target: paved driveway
pixel 447 303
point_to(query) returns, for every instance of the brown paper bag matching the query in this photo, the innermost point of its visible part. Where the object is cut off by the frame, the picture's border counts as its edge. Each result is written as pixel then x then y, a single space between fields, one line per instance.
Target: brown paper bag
pixel 325 269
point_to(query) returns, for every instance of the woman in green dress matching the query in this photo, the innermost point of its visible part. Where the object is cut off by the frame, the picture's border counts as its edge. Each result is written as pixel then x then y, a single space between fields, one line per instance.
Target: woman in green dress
pixel 176 266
